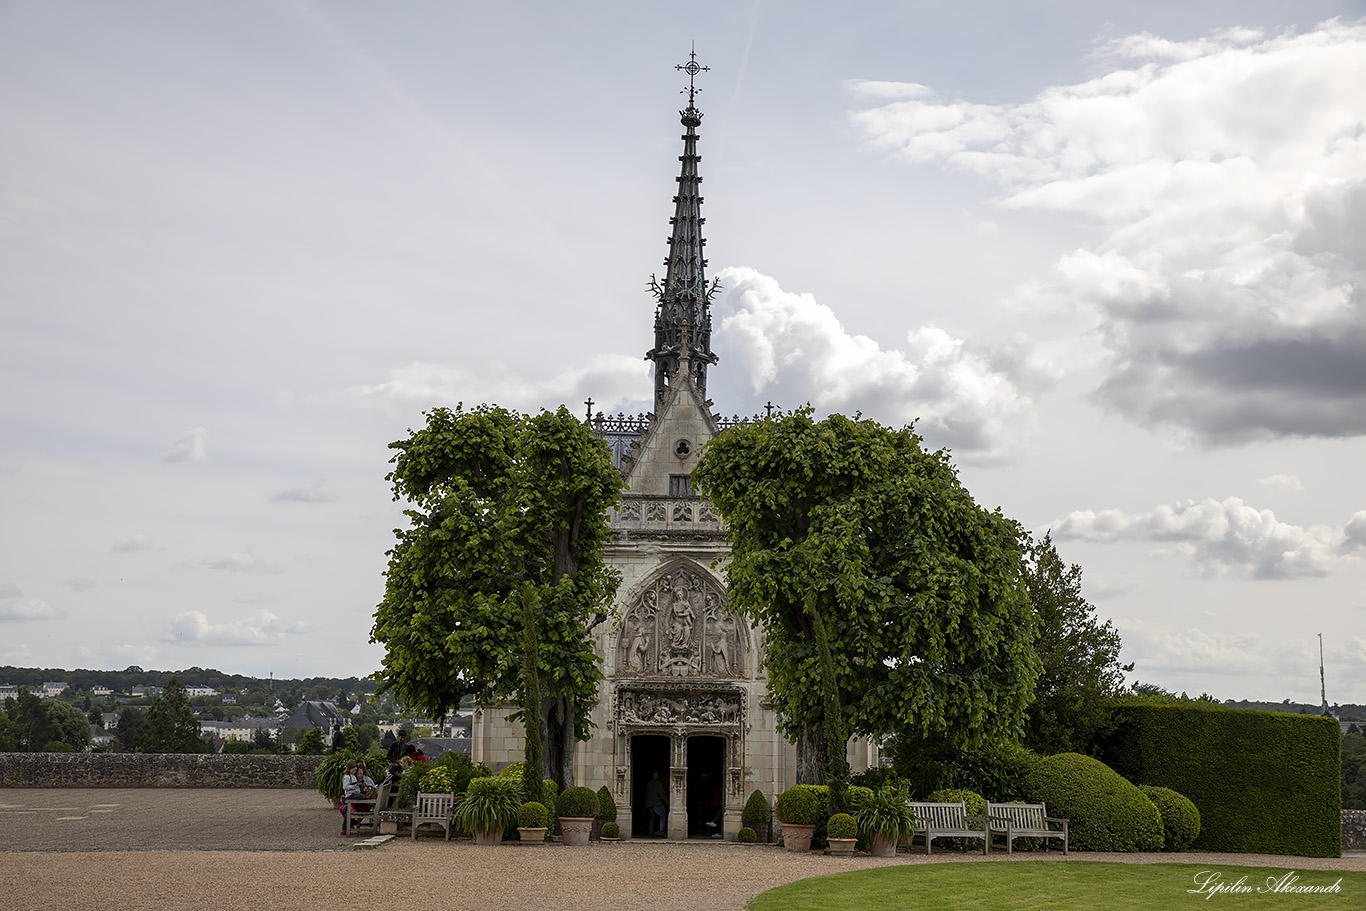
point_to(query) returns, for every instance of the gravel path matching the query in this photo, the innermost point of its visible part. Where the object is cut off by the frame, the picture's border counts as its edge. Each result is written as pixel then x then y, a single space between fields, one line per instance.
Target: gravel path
pixel 237 850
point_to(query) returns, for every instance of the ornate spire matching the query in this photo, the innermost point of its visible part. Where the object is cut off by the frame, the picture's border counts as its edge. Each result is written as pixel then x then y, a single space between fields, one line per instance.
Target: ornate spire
pixel 683 301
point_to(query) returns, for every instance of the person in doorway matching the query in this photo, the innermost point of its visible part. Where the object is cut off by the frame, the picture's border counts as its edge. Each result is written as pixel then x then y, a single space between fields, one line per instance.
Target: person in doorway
pixel 657 803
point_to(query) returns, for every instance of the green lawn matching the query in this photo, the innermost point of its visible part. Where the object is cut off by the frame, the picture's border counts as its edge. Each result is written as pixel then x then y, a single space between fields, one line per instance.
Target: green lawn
pixel 1055 886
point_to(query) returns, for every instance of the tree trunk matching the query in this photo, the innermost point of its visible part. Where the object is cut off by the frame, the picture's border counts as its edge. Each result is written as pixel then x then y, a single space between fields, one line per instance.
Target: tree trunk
pixel 531 700
pixel 557 739
pixel 810 755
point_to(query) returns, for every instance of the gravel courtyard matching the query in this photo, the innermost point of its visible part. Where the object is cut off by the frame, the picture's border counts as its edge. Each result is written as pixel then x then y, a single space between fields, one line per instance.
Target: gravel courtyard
pixel 280 849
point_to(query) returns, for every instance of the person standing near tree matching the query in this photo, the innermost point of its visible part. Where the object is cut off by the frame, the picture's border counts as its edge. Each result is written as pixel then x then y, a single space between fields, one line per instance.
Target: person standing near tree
pixel 338 741
pixel 396 749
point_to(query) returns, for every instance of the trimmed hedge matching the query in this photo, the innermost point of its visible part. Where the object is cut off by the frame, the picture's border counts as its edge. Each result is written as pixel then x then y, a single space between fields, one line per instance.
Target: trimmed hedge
pixel 1105 812
pixel 756 809
pixel 1264 782
pixel 577 802
pixel 1180 817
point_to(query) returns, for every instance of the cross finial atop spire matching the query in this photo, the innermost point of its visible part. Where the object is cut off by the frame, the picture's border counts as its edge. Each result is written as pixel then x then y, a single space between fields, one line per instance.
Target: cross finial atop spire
pixel 692 68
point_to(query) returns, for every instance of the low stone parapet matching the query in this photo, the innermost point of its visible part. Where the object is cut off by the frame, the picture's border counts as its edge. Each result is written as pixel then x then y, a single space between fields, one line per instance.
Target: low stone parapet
pixel 1354 830
pixel 155 770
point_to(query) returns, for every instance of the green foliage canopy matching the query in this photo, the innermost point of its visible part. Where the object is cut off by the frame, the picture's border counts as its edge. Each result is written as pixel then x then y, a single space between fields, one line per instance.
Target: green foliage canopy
pixel 921 589
pixel 172 726
pixel 498 500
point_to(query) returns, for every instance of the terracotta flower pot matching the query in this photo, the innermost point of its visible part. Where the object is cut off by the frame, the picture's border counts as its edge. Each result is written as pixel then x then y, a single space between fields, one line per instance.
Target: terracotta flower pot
pixel 488 838
pixel 842 847
pixel 576 829
pixel 797 838
pixel 883 846
pixel 531 837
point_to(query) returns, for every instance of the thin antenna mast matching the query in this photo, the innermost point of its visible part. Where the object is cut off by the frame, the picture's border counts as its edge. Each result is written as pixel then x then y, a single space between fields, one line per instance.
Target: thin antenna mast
pixel 1323 684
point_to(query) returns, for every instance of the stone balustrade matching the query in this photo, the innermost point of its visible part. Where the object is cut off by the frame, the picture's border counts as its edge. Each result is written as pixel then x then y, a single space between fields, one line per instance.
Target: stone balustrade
pixel 666 514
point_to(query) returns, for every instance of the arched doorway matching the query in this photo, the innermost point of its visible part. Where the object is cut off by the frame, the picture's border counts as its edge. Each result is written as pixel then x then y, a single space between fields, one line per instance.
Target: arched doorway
pixel 649 754
pixel 706 758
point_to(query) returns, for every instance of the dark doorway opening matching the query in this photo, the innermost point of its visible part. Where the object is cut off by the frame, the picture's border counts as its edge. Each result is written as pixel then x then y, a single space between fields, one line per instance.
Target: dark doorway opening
pixel 649 754
pixel 706 759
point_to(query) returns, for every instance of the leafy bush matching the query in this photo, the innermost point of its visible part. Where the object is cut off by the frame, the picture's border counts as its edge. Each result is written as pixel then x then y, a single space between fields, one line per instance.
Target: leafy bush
pixel 974 803
pixel 328 777
pixel 577 801
pixel 875 778
pixel 410 785
pixel 550 791
pixel 462 770
pixel 886 813
pixel 756 810
pixel 533 815
pixel 607 807
pixel 490 804
pixel 802 805
pixel 1266 782
pixel 994 770
pixel 747 835
pixel 1105 811
pixel 438 780
pixel 1180 818
pixel 512 771
pixel 841 825
pixel 611 830
pixel 857 794
pixel 310 743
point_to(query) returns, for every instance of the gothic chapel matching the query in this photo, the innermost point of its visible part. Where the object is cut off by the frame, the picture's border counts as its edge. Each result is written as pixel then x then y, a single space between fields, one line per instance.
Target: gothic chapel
pixel 684 691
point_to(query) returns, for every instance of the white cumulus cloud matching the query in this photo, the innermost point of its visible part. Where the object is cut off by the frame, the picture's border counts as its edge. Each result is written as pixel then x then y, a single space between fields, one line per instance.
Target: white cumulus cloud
pixel 262 628
pixel 1227 174
pixel 1222 536
pixel 792 349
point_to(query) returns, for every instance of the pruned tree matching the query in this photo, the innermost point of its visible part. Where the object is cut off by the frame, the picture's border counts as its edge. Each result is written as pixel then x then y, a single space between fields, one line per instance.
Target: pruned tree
pixel 1080 654
pixel 499 501
pixel 172 726
pixel 852 529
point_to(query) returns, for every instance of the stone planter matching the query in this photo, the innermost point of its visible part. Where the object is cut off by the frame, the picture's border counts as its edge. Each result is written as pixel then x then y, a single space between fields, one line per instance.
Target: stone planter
pixel 608 841
pixel 797 838
pixel 597 830
pixel 531 837
pixel 488 838
pixel 760 832
pixel 841 847
pixel 576 829
pixel 883 846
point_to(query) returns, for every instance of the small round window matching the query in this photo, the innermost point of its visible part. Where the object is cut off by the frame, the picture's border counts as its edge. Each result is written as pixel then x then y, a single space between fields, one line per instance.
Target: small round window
pixel 682 448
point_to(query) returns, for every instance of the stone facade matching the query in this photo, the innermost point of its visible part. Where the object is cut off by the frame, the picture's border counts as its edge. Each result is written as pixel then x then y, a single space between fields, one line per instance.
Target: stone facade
pixel 155 770
pixel 684 692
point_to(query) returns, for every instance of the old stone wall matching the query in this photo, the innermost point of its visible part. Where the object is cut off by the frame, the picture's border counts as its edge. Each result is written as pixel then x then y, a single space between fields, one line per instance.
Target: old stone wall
pixel 155 770
pixel 1354 830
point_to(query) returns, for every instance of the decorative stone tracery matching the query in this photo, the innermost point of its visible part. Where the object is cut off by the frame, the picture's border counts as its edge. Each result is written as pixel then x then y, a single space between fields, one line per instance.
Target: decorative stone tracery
pixel 679 627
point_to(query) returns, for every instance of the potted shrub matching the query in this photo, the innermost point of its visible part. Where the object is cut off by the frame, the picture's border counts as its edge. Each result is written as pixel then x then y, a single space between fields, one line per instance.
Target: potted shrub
pixel 489 807
pixel 842 834
pixel 531 823
pixel 886 817
pixel 611 832
pixel 746 836
pixel 576 807
pixel 756 816
pixel 798 808
pixel 607 812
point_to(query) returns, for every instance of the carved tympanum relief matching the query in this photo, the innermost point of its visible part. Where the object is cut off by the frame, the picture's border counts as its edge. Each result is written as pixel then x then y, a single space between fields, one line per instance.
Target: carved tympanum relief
pixel 679 627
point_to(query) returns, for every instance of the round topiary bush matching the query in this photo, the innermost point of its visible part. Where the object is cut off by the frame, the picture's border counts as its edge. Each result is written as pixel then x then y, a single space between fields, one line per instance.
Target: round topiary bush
pixel 577 801
pixel 1180 817
pixel 801 805
pixel 607 807
pixel 756 810
pixel 1105 811
pixel 842 825
pixel 746 834
pixel 611 830
pixel 857 794
pixel 533 815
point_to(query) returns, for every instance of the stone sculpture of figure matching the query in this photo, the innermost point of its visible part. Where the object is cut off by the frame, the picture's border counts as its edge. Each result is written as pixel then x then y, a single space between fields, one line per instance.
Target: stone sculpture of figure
pixel 638 651
pixel 719 658
pixel 681 618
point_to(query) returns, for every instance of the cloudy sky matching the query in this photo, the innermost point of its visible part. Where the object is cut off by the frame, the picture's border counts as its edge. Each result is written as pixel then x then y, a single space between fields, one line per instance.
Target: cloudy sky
pixel 1110 254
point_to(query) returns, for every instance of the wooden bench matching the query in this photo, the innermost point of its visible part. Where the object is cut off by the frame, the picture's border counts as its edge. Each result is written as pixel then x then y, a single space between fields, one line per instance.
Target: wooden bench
pixel 1024 820
pixel 947 820
pixel 364 811
pixel 436 809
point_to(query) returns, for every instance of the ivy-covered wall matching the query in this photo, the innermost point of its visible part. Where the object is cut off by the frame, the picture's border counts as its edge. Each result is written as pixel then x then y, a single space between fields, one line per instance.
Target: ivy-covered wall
pixel 1265 782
